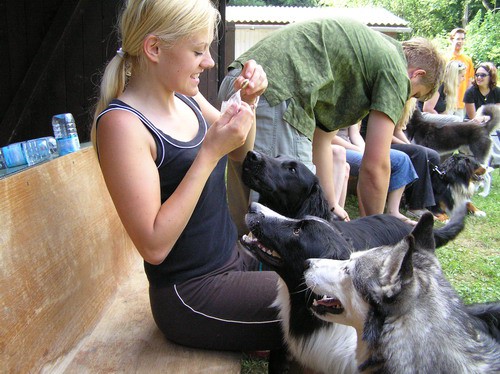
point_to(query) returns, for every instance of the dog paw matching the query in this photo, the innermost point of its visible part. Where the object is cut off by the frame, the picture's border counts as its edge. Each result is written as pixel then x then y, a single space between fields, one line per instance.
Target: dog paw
pixel 479 213
pixel 484 193
pixel 441 217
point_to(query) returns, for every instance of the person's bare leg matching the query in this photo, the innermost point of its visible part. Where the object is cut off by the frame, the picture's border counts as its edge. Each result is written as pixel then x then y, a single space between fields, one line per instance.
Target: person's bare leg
pixel 392 206
pixel 343 193
pixel 339 172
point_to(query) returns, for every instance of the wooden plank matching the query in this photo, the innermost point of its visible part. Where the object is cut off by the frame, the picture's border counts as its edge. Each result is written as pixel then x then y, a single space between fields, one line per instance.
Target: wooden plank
pixel 63 251
pixel 126 340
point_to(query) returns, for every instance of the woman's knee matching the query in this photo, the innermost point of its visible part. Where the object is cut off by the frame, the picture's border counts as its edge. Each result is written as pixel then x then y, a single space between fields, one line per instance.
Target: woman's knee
pixel 339 153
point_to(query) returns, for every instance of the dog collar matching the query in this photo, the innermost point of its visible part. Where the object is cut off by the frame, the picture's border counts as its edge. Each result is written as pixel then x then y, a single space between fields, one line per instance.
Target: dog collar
pixel 436 169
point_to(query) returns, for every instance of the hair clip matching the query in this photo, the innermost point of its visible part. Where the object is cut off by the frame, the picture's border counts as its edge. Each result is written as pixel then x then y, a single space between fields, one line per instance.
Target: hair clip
pixel 120 52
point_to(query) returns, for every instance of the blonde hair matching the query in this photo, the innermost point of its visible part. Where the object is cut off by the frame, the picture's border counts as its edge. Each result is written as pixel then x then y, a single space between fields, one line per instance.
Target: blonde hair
pixel 451 82
pixel 409 108
pixel 169 20
pixel 457 30
pixel 421 53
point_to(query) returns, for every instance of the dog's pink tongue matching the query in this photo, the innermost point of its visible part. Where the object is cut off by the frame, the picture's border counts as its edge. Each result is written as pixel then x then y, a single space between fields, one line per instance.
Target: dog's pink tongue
pixel 328 302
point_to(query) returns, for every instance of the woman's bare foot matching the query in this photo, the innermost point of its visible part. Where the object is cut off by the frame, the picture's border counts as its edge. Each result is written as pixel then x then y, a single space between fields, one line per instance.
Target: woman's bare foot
pixel 404 219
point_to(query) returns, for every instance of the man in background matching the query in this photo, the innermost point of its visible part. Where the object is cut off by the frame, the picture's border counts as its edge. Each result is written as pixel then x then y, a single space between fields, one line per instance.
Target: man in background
pixel 457 38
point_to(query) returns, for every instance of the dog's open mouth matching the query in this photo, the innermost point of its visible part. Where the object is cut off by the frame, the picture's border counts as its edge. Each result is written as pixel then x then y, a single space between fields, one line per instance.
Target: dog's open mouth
pixel 478 174
pixel 269 256
pixel 327 305
pixel 477 177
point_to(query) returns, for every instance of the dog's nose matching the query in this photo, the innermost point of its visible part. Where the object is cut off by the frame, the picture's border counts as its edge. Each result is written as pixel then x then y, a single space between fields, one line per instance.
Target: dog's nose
pixel 254 156
pixel 253 207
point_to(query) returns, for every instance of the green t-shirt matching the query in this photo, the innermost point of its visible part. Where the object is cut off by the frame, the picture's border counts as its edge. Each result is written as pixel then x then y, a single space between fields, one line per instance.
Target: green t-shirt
pixel 333 71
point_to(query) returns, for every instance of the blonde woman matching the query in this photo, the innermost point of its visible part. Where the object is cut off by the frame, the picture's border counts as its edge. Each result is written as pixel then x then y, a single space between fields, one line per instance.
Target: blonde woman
pixel 445 101
pixel 163 150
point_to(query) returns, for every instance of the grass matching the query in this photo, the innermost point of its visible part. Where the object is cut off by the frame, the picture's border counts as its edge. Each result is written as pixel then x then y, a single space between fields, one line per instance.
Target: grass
pixel 471 262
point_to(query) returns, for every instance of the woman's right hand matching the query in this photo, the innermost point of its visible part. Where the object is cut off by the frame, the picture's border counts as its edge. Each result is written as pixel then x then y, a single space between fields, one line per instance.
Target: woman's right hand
pixel 230 131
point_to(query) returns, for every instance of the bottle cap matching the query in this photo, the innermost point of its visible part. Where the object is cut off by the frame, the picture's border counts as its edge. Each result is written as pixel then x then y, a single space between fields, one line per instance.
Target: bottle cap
pixel 62 118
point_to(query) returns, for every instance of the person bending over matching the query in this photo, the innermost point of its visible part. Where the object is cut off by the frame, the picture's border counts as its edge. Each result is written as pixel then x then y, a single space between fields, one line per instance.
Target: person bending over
pixel 324 75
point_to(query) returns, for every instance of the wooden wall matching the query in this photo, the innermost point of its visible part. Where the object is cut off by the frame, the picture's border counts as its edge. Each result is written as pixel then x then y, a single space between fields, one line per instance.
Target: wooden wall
pixel 52 54
pixel 63 254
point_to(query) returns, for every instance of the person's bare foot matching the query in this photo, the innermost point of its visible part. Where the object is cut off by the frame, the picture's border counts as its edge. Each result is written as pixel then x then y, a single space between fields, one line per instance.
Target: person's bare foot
pixel 404 219
pixel 418 213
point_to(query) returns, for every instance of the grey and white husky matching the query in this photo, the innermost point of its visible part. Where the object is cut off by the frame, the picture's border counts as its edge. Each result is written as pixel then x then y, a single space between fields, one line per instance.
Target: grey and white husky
pixel 407 316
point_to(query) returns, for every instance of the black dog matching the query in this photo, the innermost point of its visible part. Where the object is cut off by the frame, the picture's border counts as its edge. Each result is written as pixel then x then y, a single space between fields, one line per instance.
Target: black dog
pixel 284 244
pixel 285 185
pixel 289 188
pixel 445 138
pixel 454 182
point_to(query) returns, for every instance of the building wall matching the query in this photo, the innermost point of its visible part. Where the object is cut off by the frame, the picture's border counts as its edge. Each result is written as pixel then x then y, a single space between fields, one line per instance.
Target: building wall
pixel 53 53
pixel 248 35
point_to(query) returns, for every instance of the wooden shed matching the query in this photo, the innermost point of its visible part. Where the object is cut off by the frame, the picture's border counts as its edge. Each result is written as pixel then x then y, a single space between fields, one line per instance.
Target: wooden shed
pixel 246 25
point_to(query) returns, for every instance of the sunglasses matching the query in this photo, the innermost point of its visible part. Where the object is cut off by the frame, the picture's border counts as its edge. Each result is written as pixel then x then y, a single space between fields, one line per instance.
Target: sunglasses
pixel 482 75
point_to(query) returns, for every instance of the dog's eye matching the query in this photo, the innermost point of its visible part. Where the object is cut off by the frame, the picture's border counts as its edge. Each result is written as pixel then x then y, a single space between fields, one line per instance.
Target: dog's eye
pixel 296 231
pixel 292 170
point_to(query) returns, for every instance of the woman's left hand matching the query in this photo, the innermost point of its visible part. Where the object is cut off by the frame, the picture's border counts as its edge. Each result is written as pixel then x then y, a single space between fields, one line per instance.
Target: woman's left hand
pixel 257 82
pixel 341 213
pixel 481 119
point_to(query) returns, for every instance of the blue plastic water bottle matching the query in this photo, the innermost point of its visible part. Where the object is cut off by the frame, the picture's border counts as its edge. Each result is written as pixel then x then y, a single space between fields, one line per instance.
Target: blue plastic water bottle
pixel 40 149
pixel 3 164
pixel 65 133
pixel 14 155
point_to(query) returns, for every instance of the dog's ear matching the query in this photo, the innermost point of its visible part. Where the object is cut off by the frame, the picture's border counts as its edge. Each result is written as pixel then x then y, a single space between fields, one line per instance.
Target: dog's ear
pixel 397 269
pixel 423 233
pixel 316 204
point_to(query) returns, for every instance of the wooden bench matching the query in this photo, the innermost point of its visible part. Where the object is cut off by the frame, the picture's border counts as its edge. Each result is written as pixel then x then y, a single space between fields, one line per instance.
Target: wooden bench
pixel 74 295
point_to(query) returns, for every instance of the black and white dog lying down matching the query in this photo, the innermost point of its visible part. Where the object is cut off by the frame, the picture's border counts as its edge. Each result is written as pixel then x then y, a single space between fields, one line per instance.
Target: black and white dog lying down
pixel 289 188
pixel 407 316
pixel 284 244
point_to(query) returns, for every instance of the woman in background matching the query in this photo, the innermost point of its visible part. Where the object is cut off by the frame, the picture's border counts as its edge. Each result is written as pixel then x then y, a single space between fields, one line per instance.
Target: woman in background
pixel 484 90
pixel 442 106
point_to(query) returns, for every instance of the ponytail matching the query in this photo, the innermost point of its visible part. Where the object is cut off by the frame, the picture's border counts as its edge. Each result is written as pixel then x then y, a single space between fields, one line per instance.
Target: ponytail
pixel 113 83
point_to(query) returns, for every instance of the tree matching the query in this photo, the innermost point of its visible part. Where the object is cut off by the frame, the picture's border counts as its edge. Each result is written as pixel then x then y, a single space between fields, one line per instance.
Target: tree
pixel 482 37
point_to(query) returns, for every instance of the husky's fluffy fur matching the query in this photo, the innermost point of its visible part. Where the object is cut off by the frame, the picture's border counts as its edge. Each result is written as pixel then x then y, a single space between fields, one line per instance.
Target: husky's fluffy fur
pixel 407 316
